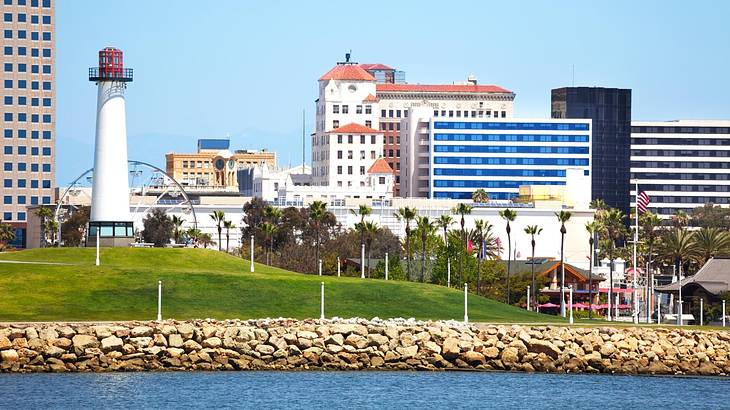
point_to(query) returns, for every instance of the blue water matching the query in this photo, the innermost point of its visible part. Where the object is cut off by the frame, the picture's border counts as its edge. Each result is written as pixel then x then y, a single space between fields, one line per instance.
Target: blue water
pixel 332 390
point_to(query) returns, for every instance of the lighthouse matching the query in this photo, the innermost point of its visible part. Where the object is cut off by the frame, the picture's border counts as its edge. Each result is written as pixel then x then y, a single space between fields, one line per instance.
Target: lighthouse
pixel 110 217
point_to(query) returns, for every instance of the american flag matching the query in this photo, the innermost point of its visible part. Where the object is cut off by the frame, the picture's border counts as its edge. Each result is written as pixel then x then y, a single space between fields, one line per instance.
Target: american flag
pixel 642 201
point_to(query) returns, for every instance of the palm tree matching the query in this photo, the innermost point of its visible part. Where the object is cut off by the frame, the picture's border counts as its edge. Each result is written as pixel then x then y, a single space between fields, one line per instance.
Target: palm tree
pixel 479 226
pixel 480 196
pixel 509 216
pixel 7 234
pixel 407 214
pixel 205 240
pixel 269 229
pixel 533 230
pixel 177 223
pixel 680 219
pixel 362 212
pixel 615 229
pixel 444 222
pixel 317 212
pixel 228 225
pixel 218 217
pixel 462 209
pixel 425 227
pixel 563 217
pixel 710 242
pixel 272 214
pixel 678 246
pixel 194 235
pixel 591 227
pixel 44 213
pixel 370 230
pixel 649 223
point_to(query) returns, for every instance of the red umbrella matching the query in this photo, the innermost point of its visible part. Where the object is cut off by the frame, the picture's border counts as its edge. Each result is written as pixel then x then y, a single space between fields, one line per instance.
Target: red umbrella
pixel 580 305
pixel 548 305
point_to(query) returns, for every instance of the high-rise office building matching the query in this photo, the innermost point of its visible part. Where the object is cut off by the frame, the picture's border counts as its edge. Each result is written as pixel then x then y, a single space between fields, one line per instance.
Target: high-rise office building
pixel 610 110
pixel 29 106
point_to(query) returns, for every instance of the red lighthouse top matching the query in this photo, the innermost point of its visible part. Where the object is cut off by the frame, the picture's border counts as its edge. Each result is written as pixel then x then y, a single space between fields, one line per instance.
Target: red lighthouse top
pixel 111 67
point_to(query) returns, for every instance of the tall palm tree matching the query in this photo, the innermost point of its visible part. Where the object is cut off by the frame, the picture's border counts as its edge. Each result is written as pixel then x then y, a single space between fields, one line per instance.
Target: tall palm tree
pixel 370 230
pixel 601 207
pixel 680 219
pixel 362 212
pixel 425 227
pixel 710 242
pixel 479 226
pixel 177 222
pixel 444 222
pixel 44 213
pixel 269 229
pixel 677 247
pixel 533 230
pixel 228 225
pixel 591 227
pixel 650 225
pixel 272 214
pixel 317 212
pixel 218 217
pixel 407 214
pixel 509 216
pixel 462 209
pixel 563 217
pixel 7 234
pixel 615 229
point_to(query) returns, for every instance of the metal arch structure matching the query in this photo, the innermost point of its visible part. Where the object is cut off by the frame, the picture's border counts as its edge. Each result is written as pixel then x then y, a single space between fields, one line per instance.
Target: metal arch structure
pixel 132 162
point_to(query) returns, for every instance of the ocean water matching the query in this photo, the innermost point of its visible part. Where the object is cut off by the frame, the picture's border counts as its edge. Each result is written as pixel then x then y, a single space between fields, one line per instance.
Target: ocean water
pixel 333 390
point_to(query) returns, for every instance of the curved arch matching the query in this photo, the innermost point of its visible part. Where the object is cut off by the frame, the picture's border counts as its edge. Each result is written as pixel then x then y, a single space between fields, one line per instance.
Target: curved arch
pixel 134 162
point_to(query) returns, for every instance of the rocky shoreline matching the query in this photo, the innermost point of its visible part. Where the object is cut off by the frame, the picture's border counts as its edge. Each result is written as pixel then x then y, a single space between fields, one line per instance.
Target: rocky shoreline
pixel 358 344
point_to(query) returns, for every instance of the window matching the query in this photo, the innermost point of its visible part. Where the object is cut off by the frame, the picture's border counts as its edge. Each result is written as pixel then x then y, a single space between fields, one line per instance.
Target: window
pixel 22 150
pixel 34 52
pixel 8 133
pixel 339 154
pixel 46 36
pixel 345 109
pixel 8 166
pixel 358 109
pixel 8 116
pixel 22 51
pixel 349 139
pixel 8 34
pixel 8 100
pixel 339 170
pixel 7 200
pixel 339 139
pixel 372 154
pixel 382 113
pixel 22 84
pixel 34 183
pixel 21 18
pixel 21 216
pixel 21 199
pixel 8 67
pixel 8 183
pixel 46 151
pixel 368 109
pixel 349 154
pixel 46 200
pixel 46 135
pixel 372 139
pixel 381 180
pixel 46 118
pixel 34 85
pixel 46 52
pixel 349 169
pixel 46 85
pixel 34 35
pixel 21 183
pixel 46 183
pixel 33 150
pixel 368 123
pixel 46 69
pixel 8 17
pixel 362 139
pixel 8 150
pixel 335 124
pixel 362 154
pixel 336 109
pixel 362 170
pixel 7 216
pixel 46 19
pixel 8 83
pixel 22 34
pixel 46 102
pixel 22 101
pixel 34 200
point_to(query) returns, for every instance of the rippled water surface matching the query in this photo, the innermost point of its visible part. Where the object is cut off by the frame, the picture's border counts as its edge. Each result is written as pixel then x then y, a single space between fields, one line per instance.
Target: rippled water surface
pixel 359 390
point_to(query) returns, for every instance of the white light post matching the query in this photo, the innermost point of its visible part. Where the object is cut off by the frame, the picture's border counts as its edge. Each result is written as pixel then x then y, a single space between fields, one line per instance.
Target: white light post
pixel 723 313
pixel 320 267
pixel 98 228
pixel 635 298
pixel 702 313
pixel 659 309
pixel 362 261
pixel 386 265
pixel 251 253
pixel 321 301
pixel 466 313
pixel 159 300
pixel 528 297
pixel 338 266
pixel 616 311
pixel 570 296
pixel 679 299
pixel 448 273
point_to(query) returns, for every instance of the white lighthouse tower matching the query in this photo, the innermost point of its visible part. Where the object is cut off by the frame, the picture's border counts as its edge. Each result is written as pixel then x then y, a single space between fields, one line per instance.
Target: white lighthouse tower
pixel 110 214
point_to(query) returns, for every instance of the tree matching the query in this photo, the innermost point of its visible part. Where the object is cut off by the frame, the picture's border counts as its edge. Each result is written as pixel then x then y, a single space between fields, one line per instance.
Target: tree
pixel 370 230
pixel 591 227
pixel 317 212
pixel 614 228
pixel 407 214
pixel 74 227
pixel 680 219
pixel 157 228
pixel 509 216
pixel 45 214
pixel 479 228
pixel 177 223
pixel 711 242
pixel 444 222
pixel 462 209
pixel 480 196
pixel 194 235
pixel 228 225
pixel 206 240
pixel 7 234
pixel 711 216
pixel 269 229
pixel 563 217
pixel 533 230
pixel 425 227
pixel 362 211
pixel 218 217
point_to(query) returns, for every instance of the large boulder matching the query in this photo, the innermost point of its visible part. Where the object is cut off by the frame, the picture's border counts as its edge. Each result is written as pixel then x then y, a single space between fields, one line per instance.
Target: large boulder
pixel 543 346
pixel 9 356
pixel 111 343
pixel 84 341
pixel 141 331
pixel 175 340
pixel 450 348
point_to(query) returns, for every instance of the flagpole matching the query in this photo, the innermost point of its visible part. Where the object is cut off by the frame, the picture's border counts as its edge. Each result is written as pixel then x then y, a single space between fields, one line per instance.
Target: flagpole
pixel 636 240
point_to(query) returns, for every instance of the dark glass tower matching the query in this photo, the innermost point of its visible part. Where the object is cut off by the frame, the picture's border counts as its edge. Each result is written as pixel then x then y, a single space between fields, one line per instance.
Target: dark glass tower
pixel 610 110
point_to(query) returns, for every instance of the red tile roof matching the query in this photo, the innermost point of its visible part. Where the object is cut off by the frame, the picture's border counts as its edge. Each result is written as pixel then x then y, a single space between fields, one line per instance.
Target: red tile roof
pixel 380 167
pixel 347 72
pixel 353 128
pixel 371 97
pixel 376 67
pixel 439 88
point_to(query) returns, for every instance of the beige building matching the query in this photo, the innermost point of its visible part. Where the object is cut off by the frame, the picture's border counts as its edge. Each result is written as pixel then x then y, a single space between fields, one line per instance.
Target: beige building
pixel 213 165
pixel 29 108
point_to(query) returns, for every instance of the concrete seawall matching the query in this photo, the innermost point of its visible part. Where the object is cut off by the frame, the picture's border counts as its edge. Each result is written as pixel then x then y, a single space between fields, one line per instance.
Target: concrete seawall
pixel 355 344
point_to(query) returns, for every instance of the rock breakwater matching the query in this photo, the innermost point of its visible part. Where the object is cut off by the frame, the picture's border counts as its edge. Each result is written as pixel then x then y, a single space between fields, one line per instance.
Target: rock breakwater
pixel 357 344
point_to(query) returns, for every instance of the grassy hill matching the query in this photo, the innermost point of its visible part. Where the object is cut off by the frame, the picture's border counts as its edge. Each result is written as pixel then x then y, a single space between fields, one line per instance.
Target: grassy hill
pixel 201 283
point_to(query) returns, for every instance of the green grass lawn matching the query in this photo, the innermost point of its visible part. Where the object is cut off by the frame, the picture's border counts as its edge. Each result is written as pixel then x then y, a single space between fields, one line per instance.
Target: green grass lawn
pixel 201 283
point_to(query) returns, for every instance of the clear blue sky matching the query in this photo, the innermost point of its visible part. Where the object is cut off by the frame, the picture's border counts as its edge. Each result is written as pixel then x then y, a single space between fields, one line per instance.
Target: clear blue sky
pixel 247 69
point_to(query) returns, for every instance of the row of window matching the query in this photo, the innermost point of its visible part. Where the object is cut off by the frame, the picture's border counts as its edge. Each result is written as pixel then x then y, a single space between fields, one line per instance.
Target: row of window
pixel 23 68
pixel 23 117
pixel 511 149
pixel 681 176
pixel 511 137
pixel 680 130
pixel 684 188
pixel 680 164
pixel 678 153
pixel 22 200
pixel 23 183
pixel 667 199
pixel 22 100
pixel 22 134
pixel 474 114
pixel 527 126
pixel 467 195
pixel 448 183
pixel 8 216
pixel 681 141
pixel 345 109
pixel 394 113
pixel 22 167
pixel 23 51
pixel 23 150
pixel 349 183
pixel 349 170
pixel 363 138
pixel 336 124
pixel 350 155
pixel 390 126
pixel 33 3
pixel 23 84
pixel 34 35
pixel 471 172
pixel 510 161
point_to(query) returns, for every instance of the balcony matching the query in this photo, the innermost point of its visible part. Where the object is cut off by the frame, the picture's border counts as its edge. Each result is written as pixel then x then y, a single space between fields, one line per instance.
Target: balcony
pixel 124 75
